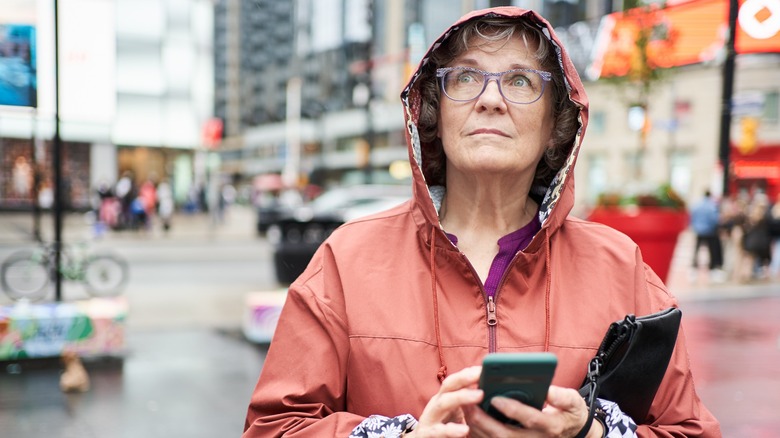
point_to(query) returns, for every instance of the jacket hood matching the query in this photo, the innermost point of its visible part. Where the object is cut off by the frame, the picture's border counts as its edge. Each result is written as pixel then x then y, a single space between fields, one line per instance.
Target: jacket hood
pixel 558 198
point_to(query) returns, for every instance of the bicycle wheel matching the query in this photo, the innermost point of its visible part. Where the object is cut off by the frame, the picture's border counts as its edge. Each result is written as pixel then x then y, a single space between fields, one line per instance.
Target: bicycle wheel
pixel 105 275
pixel 25 276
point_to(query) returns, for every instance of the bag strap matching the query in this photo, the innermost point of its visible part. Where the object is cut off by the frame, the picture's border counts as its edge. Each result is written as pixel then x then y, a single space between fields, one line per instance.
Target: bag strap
pixel 594 372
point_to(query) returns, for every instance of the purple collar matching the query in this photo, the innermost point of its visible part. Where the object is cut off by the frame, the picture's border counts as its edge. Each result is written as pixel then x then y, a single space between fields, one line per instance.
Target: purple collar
pixel 508 246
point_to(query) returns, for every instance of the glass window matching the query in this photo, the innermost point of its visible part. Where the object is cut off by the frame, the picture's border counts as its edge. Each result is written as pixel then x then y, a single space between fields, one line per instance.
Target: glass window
pixel 771 107
pixel 680 171
pixel 597 176
pixel 598 122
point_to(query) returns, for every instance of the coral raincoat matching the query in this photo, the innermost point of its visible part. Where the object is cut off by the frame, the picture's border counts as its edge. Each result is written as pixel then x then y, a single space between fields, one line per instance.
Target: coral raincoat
pixel 388 302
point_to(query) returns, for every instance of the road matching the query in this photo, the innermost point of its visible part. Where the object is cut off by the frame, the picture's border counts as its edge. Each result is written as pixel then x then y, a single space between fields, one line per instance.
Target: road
pixel 189 372
pixel 196 276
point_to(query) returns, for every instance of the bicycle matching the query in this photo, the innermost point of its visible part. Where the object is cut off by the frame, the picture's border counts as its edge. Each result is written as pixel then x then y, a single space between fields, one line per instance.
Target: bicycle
pixel 25 274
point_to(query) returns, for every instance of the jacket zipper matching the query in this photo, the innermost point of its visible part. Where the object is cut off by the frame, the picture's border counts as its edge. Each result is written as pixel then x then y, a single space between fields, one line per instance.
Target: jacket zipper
pixel 491 322
pixel 492 318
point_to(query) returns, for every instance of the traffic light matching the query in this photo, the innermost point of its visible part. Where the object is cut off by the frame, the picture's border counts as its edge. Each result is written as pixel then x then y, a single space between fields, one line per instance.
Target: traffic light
pixel 748 142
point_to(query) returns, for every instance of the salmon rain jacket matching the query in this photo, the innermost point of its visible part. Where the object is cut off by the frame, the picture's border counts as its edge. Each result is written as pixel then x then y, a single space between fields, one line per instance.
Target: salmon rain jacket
pixel 388 304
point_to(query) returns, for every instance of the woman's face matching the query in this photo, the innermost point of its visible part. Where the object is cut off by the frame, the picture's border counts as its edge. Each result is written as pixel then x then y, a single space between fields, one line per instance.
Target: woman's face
pixel 488 135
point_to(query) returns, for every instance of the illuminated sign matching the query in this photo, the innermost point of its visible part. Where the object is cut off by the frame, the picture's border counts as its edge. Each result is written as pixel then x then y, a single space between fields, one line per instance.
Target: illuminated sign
pixel 757 169
pixel 684 33
pixel 18 76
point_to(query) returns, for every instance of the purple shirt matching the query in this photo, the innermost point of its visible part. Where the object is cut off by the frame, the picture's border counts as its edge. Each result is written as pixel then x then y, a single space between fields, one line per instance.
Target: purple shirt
pixel 508 246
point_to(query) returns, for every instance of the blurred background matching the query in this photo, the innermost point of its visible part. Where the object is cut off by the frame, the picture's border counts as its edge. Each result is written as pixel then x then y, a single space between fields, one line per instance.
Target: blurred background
pixel 208 147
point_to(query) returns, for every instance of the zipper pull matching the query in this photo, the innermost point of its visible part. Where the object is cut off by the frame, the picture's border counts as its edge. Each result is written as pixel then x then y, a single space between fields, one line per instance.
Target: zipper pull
pixel 491 307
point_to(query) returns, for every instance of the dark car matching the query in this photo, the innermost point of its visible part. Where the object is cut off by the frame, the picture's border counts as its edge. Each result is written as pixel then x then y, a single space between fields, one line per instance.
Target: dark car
pixel 274 206
pixel 297 236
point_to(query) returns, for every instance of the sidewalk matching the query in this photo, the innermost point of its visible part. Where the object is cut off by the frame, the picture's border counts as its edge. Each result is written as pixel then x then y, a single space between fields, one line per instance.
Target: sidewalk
pixel 702 288
pixel 17 228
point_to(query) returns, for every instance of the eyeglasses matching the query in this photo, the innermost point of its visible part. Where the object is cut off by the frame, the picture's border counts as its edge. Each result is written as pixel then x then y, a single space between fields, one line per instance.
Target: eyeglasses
pixel 521 85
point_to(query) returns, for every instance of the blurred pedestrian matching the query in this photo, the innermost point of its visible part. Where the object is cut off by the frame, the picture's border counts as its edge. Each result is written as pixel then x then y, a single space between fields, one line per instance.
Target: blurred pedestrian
pixel 732 216
pixel 774 231
pixel 147 194
pixel 165 204
pixel 383 333
pixel 126 193
pixel 705 222
pixel 106 207
pixel 756 240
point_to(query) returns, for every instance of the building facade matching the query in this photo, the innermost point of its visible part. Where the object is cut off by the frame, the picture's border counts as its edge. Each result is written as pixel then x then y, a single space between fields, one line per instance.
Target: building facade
pixel 134 90
pixel 678 144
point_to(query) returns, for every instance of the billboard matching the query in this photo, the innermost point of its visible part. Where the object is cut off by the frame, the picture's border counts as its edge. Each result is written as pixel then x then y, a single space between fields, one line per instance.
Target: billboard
pixel 18 78
pixel 685 32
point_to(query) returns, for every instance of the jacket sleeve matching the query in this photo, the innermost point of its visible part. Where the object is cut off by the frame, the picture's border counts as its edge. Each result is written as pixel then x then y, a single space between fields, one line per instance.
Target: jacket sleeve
pixel 677 409
pixel 302 386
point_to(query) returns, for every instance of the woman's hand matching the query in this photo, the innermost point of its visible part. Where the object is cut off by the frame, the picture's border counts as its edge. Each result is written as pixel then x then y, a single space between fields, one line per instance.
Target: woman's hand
pixel 443 415
pixel 563 416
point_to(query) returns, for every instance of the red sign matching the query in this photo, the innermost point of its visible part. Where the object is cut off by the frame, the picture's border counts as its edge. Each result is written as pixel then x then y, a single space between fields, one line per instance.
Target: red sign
pixel 212 132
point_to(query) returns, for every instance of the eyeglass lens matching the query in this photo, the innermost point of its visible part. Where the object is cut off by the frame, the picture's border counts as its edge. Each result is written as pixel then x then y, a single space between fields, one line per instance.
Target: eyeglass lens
pixel 517 86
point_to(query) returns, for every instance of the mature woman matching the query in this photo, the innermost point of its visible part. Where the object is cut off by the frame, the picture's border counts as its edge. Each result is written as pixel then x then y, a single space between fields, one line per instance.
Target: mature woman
pixel 384 331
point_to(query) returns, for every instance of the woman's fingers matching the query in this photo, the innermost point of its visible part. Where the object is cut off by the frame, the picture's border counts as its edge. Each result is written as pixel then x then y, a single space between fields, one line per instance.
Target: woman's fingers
pixel 457 399
pixel 443 416
pixel 569 407
pixel 564 415
pixel 446 407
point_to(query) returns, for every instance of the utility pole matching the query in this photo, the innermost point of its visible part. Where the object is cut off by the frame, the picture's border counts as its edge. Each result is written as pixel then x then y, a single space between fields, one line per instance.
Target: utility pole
pixel 724 149
pixel 57 163
pixel 370 134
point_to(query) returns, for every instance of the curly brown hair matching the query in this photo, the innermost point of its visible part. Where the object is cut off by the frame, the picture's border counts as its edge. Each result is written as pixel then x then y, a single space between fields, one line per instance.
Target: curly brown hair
pixel 565 112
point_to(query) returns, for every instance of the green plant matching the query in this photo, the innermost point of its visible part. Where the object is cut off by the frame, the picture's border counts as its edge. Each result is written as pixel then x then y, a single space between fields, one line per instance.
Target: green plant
pixel 663 196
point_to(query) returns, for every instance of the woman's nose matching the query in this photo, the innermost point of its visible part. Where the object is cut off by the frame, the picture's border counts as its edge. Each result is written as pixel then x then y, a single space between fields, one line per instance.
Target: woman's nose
pixel 491 98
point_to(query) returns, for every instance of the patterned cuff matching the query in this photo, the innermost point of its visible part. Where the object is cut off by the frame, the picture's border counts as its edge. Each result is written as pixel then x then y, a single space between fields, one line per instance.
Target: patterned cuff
pixel 380 426
pixel 617 424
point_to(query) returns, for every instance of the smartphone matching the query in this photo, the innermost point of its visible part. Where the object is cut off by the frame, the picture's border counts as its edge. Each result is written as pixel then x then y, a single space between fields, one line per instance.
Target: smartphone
pixel 524 377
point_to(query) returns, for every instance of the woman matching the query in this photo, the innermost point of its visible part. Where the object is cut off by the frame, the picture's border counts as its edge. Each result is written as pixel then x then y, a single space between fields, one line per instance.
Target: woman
pixel 383 332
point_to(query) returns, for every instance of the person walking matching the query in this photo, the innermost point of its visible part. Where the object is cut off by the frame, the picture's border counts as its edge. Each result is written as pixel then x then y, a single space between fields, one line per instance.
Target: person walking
pixel 165 204
pixel 774 232
pixel 757 239
pixel 705 222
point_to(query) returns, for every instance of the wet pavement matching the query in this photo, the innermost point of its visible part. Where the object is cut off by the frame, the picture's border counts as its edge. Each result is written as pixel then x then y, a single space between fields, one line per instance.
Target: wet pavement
pixel 195 381
pixel 187 383
pixel 734 347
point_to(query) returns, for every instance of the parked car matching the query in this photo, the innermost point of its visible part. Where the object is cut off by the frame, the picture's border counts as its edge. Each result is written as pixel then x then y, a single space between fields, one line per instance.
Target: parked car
pixel 273 206
pixel 296 237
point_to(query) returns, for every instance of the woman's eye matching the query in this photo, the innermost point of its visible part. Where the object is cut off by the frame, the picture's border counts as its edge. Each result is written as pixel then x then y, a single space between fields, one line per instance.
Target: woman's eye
pixel 467 77
pixel 518 81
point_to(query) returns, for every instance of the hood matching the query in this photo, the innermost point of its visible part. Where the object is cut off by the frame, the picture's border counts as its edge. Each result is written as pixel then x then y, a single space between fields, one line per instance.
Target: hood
pixel 557 199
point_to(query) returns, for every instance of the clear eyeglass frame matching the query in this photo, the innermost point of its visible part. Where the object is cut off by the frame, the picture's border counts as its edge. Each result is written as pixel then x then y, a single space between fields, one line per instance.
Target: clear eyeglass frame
pixel 488 76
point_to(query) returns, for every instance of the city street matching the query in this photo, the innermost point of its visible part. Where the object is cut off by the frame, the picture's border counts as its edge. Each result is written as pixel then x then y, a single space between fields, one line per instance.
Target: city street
pixel 188 371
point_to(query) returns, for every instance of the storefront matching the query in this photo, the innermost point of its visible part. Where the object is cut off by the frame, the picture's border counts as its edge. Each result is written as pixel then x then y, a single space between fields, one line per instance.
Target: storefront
pixel 758 170
pixel 26 173
pixel 156 164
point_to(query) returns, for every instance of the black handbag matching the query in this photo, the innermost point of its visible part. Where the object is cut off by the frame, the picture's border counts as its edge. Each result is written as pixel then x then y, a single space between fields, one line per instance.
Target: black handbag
pixel 631 362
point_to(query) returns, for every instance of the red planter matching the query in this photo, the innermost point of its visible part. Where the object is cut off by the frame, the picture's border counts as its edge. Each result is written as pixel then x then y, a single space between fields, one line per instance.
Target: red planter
pixel 654 229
